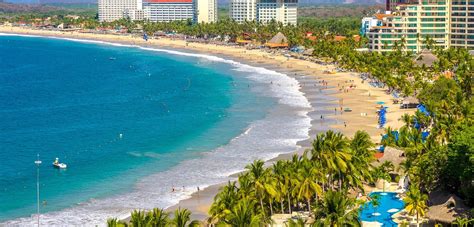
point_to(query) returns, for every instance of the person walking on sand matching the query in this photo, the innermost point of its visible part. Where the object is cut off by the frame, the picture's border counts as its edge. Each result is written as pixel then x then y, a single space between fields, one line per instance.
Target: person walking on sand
pixel 345 125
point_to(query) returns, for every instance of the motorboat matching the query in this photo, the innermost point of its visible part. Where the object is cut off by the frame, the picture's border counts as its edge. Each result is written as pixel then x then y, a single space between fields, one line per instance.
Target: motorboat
pixel 59 165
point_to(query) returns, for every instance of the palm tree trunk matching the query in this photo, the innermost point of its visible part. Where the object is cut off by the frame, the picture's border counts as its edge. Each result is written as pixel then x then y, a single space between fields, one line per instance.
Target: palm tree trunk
pixel 417 222
pixel 282 208
pixel 309 205
pixel 261 205
pixel 271 206
pixel 289 204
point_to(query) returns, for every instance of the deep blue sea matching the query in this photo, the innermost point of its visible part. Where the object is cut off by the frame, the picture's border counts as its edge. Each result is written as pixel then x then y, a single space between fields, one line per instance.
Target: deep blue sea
pixel 126 121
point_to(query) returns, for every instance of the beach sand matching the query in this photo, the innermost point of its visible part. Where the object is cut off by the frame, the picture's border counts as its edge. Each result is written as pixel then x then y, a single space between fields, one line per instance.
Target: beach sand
pixel 361 98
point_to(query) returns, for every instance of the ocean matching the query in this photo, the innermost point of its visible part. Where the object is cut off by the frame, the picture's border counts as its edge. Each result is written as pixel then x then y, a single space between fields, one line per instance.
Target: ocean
pixel 131 123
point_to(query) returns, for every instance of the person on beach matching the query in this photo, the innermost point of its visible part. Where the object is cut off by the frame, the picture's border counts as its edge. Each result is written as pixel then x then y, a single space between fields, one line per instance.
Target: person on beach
pixel 345 125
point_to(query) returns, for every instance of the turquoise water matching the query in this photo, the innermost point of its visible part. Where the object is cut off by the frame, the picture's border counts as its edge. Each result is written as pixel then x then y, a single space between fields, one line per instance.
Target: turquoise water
pixel 389 205
pixel 72 100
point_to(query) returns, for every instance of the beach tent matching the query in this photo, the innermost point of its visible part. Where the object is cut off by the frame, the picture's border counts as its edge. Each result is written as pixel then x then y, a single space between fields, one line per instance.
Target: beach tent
pixel 410 102
pixel 426 58
pixel 278 41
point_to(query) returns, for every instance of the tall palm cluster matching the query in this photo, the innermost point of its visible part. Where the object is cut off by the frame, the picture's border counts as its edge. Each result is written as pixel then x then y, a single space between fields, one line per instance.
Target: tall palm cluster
pixel 317 182
pixel 156 218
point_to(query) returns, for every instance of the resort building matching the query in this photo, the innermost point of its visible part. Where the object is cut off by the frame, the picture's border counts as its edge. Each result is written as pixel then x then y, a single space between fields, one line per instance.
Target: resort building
pixel 206 11
pixel 447 23
pixel 369 22
pixel 110 10
pixel 392 4
pixel 264 11
pixel 243 10
pixel 462 23
pixel 168 10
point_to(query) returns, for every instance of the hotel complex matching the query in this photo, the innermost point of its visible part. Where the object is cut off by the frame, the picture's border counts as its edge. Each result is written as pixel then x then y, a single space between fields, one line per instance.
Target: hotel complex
pixel 206 11
pixel 284 11
pixel 201 11
pixel 168 10
pixel 449 23
pixel 110 10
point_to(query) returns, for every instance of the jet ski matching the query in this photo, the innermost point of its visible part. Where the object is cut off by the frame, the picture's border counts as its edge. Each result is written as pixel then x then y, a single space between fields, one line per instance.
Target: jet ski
pixel 59 165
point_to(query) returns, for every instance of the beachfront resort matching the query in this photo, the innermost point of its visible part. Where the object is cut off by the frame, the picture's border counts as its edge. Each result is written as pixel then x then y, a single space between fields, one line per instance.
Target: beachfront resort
pixel 384 103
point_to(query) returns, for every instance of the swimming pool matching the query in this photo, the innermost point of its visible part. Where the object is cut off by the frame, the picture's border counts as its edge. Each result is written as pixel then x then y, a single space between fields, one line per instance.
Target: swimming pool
pixel 389 205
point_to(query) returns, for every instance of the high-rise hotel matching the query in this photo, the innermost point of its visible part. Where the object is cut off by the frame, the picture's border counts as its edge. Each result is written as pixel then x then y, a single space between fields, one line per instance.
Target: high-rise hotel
pixel 200 11
pixel 284 11
pixel 449 23
pixel 110 10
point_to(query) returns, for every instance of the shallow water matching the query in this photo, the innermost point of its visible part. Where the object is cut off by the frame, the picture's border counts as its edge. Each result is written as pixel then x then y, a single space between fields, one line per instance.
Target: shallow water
pixel 186 120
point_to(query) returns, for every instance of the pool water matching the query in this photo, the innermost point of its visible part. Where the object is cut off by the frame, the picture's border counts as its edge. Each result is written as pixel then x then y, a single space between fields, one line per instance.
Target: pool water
pixel 389 204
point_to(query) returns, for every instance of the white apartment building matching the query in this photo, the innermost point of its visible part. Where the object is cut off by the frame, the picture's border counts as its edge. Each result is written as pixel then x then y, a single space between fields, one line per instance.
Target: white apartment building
pixel 110 10
pixel 206 11
pixel 243 10
pixel 284 11
pixel 169 10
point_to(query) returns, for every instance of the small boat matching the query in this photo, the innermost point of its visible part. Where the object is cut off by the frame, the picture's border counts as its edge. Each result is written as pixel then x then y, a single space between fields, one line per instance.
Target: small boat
pixel 59 165
pixel 112 58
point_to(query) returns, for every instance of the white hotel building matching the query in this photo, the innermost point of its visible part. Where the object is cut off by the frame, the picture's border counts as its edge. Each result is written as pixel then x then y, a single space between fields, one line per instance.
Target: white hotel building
pixel 168 10
pixel 284 11
pixel 110 10
pixel 201 11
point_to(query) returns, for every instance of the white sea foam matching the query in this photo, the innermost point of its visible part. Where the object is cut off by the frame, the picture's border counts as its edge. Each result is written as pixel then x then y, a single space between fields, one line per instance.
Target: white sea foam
pixel 264 139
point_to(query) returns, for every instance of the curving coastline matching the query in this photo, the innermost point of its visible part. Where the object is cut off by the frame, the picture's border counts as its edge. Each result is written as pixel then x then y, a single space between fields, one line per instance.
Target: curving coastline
pixel 154 190
pixel 312 100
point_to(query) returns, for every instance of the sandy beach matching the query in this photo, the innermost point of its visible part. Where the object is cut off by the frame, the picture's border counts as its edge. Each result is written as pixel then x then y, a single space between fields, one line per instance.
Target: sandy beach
pixel 341 90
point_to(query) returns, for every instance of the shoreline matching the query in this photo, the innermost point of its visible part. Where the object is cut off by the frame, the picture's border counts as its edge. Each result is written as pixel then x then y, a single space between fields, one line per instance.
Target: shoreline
pixel 361 99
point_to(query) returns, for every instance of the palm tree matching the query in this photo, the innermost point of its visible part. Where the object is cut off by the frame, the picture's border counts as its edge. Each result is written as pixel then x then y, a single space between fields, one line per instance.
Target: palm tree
pixel 337 210
pixel 159 218
pixel 114 222
pixel 307 186
pixel 416 203
pixel 139 218
pixel 224 201
pixel 181 217
pixel 257 172
pixel 331 151
pixel 244 214
pixel 383 172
